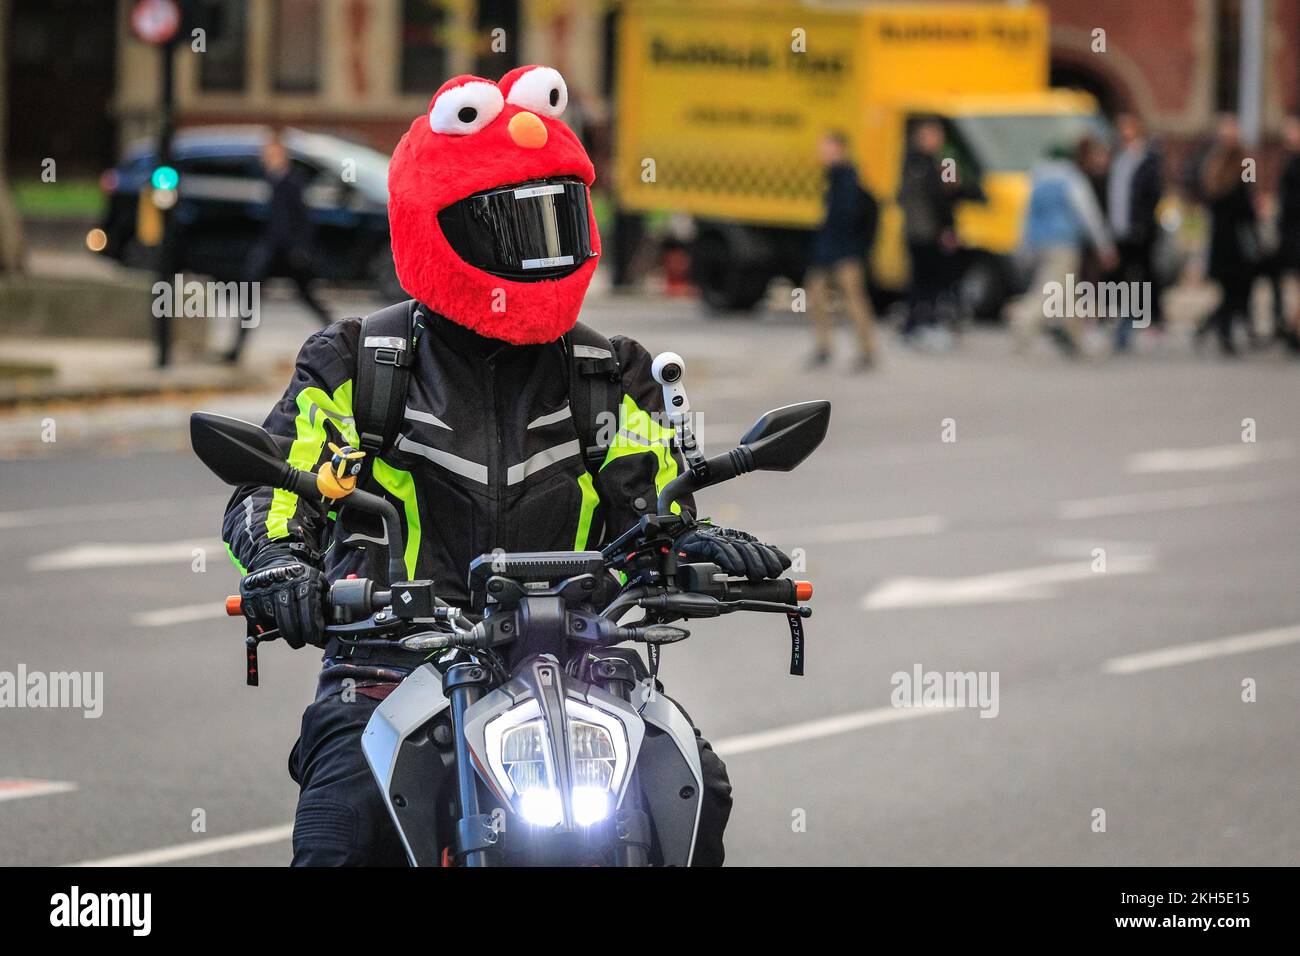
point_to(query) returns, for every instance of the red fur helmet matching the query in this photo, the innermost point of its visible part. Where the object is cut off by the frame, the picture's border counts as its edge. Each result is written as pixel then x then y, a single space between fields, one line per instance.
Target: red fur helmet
pixel 489 208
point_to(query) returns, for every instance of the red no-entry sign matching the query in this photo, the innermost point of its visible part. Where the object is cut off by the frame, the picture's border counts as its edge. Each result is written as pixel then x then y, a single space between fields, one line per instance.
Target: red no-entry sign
pixel 155 21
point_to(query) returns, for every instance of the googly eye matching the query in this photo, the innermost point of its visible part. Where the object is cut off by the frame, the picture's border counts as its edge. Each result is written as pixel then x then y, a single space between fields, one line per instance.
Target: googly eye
pixel 465 109
pixel 541 90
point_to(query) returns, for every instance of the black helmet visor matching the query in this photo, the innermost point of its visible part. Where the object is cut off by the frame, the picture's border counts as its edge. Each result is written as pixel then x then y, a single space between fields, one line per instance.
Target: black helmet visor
pixel 534 230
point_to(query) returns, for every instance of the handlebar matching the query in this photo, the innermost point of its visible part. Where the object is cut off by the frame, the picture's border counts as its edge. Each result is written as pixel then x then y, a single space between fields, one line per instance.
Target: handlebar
pixel 359 595
pixel 699 591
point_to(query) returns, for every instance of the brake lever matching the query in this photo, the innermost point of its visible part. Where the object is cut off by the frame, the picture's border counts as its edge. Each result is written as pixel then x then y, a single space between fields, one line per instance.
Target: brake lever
pixel 773 607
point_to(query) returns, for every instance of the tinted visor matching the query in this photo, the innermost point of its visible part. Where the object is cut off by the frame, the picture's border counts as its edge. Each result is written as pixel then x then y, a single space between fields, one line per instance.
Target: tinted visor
pixel 535 230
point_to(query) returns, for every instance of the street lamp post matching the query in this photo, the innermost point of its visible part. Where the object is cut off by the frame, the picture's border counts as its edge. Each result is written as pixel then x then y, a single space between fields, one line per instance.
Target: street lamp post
pixel 157 22
pixel 1250 75
pixel 167 253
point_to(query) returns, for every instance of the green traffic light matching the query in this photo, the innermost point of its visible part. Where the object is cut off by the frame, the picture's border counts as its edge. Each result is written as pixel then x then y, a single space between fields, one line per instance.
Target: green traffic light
pixel 164 177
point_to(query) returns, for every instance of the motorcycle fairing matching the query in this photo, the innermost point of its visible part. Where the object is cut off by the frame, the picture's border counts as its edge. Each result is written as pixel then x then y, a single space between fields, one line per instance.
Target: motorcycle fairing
pixel 670 757
pixel 400 751
pixel 402 755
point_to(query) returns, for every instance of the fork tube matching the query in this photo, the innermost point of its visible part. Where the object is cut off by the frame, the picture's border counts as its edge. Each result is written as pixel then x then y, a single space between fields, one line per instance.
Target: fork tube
pixel 626 854
pixel 620 685
pixel 463 694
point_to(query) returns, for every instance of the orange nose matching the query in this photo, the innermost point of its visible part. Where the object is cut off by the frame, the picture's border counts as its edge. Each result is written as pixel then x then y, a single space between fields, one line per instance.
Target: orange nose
pixel 527 130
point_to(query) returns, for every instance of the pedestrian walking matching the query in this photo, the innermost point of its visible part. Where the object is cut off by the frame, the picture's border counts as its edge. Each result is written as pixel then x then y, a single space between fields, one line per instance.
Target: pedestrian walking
pixel 1092 156
pixel 1134 186
pixel 1288 227
pixel 1234 252
pixel 927 199
pixel 285 247
pixel 1061 220
pixel 839 254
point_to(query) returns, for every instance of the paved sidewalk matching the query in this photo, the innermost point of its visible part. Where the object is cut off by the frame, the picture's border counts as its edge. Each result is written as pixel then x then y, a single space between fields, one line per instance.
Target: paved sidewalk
pixel 87 369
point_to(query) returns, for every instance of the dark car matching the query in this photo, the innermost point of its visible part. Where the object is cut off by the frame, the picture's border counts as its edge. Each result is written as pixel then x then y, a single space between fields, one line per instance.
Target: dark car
pixel 223 195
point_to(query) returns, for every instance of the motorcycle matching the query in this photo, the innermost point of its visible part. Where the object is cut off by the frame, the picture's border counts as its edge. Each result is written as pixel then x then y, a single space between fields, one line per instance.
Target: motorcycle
pixel 564 749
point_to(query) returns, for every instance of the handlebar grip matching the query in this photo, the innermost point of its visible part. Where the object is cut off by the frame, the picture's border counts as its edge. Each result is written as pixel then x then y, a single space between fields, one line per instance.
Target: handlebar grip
pixel 777 591
pixel 234 606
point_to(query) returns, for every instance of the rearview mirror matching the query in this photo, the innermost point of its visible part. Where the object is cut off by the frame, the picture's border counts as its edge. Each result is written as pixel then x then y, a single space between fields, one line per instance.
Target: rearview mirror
pixel 239 453
pixel 779 441
pixel 784 437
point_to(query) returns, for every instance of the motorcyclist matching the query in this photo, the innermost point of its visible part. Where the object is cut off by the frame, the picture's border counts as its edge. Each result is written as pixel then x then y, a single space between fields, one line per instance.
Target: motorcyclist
pixel 488 454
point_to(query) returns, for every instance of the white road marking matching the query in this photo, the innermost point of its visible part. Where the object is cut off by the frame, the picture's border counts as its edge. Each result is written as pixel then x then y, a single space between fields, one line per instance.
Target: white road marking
pixel 826 727
pixel 1201 651
pixel 118 511
pixel 860 530
pixel 18 789
pixel 1022 584
pixel 1213 458
pixel 185 851
pixel 1167 500
pixel 1083 547
pixel 185 614
pixel 118 555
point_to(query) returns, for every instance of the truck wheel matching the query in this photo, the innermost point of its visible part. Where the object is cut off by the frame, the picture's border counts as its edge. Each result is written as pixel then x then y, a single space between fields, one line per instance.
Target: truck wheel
pixel 726 286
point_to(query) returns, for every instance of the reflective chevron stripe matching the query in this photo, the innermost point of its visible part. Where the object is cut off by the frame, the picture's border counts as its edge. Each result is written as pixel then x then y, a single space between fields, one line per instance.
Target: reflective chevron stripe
pixel 453 463
pixel 543 459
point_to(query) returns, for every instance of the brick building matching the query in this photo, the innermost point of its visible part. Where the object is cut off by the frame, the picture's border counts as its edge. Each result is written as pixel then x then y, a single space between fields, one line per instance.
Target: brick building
pixel 80 85
pixel 1175 62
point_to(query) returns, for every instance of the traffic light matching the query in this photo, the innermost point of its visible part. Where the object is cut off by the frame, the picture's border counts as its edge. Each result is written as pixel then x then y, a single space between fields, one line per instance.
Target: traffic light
pixel 164 180
pixel 164 177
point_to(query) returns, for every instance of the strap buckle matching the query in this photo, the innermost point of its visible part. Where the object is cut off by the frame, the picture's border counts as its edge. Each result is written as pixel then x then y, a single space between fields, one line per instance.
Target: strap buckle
pixel 388 349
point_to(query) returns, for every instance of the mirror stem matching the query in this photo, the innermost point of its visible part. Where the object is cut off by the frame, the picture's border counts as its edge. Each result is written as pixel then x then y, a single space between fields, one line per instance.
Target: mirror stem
pixel 713 471
pixel 374 504
pixel 304 484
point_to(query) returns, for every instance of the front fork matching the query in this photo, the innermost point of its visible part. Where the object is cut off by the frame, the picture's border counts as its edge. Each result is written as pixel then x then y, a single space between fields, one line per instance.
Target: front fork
pixel 475 834
pixel 631 823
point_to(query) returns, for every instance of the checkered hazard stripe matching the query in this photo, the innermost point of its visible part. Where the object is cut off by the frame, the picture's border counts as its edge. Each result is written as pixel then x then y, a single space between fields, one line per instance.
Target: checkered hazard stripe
pixel 733 176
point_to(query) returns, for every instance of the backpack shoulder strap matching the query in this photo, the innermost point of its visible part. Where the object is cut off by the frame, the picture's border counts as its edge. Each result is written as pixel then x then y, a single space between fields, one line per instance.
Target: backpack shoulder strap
pixel 595 390
pixel 385 355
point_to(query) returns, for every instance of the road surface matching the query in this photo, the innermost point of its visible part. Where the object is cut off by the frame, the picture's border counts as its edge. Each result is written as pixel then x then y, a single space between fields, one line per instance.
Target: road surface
pixel 1094 543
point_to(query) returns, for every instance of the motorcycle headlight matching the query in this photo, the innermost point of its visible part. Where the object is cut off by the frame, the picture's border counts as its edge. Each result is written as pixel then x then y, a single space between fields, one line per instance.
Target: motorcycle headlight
pixel 522 761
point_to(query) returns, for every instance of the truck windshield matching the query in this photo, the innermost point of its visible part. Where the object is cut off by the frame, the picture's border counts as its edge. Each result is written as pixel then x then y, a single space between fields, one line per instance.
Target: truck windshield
pixel 1014 142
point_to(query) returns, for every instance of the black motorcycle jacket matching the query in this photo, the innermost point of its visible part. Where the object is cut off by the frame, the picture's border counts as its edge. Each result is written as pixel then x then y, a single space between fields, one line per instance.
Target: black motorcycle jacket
pixel 488 457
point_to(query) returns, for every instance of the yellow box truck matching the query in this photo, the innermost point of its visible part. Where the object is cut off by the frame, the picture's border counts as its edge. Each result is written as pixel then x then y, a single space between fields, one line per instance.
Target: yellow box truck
pixel 721 104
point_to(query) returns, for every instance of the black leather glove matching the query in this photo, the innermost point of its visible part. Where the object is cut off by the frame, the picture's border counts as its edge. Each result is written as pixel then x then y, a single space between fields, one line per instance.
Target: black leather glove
pixel 285 589
pixel 735 552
